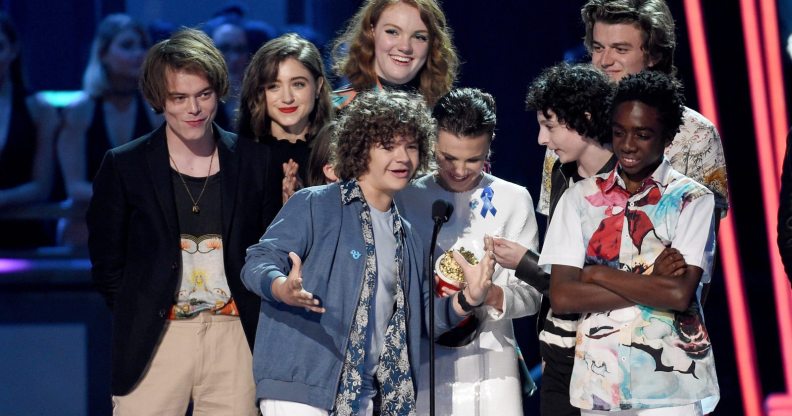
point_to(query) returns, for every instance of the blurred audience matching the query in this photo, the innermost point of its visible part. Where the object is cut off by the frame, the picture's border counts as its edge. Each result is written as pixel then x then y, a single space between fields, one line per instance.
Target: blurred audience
pixel 109 113
pixel 230 38
pixel 159 30
pixel 27 129
pixel 238 39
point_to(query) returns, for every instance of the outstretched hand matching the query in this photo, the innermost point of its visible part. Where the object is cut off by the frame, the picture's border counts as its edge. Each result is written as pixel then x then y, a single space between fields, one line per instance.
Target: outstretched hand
pixel 508 253
pixel 669 262
pixel 478 277
pixel 289 289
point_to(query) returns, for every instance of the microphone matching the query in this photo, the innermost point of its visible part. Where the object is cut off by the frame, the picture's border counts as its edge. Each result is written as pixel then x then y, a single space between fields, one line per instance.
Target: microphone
pixel 441 211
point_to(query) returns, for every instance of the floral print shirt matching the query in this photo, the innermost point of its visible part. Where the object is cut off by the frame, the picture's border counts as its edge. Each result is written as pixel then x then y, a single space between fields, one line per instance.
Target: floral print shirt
pixel 637 357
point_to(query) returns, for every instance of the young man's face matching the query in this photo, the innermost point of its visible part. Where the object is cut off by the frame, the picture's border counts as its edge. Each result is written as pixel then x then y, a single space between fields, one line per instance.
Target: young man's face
pixel 460 160
pixel 617 49
pixel 190 107
pixel 567 144
pixel 390 168
pixel 637 141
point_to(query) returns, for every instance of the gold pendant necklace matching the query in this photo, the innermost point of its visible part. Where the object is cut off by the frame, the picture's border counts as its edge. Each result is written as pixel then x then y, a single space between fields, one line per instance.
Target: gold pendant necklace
pixel 195 208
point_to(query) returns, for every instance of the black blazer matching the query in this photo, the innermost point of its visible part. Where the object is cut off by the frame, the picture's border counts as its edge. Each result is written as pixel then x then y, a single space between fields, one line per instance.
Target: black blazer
pixel 134 239
pixel 785 210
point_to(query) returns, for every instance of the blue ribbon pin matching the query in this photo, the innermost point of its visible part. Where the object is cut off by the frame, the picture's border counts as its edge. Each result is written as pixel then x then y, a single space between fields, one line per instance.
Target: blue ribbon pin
pixel 486 198
pixel 355 254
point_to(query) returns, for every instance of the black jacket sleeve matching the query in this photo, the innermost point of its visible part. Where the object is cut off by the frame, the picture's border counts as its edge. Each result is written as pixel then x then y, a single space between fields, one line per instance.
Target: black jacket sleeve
pixel 785 212
pixel 529 272
pixel 107 230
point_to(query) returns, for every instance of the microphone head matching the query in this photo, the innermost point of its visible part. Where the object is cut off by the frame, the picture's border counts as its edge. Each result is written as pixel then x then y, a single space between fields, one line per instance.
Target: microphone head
pixel 441 210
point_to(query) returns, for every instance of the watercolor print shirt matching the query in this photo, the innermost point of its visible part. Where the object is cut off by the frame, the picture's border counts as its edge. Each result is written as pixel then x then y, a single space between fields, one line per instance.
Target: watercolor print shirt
pixel 637 357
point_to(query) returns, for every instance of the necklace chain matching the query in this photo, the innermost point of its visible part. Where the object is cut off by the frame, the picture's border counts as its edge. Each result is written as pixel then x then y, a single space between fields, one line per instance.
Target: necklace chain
pixel 195 208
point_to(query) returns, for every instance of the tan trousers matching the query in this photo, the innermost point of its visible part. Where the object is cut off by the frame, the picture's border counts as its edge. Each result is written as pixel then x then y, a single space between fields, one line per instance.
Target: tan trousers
pixel 206 359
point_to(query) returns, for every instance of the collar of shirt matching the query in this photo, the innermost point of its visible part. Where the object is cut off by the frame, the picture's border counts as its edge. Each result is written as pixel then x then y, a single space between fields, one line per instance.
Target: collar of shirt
pixel 350 192
pixel 569 169
pixel 660 177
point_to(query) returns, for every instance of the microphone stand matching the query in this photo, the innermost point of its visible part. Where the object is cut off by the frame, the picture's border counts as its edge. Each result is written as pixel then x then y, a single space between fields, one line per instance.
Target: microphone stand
pixel 438 223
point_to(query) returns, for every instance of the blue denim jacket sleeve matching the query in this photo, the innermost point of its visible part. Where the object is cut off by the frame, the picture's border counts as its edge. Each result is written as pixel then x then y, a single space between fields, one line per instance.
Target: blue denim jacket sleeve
pixel 267 260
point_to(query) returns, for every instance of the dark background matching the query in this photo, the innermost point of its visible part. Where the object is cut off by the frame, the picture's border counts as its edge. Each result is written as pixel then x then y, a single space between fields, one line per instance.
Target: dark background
pixel 503 46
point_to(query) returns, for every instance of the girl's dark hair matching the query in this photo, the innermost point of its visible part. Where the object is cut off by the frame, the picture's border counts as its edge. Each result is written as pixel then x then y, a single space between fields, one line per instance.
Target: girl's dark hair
pixel 466 112
pixel 321 152
pixel 254 122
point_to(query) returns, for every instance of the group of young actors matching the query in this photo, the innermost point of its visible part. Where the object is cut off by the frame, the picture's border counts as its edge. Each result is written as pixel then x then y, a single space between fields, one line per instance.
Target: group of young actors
pixel 237 288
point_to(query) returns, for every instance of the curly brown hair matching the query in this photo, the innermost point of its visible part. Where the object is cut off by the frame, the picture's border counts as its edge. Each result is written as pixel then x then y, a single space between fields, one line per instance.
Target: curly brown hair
pixel 378 118
pixel 353 50
pixel 652 17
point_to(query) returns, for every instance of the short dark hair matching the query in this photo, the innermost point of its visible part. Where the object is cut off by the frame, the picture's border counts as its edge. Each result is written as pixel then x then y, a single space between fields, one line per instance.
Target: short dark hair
pixel 379 117
pixel 657 90
pixel 188 50
pixel 321 155
pixel 652 17
pixel 466 112
pixel 578 96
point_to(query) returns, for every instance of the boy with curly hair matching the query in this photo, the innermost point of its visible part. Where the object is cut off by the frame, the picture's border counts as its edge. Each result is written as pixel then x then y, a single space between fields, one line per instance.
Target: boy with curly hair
pixel 642 348
pixel 572 110
pixel 345 326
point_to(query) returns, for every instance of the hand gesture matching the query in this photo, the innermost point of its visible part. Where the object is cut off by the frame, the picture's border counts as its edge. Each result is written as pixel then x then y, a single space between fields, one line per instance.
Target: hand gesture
pixel 290 290
pixel 445 291
pixel 478 277
pixel 508 253
pixel 669 263
pixel 291 182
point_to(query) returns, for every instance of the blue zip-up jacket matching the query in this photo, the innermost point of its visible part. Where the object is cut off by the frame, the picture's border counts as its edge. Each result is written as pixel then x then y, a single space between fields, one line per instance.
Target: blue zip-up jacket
pixel 298 354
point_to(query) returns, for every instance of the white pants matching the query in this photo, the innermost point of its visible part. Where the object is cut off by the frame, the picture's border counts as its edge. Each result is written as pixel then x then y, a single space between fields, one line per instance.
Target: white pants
pixel 687 410
pixel 283 408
